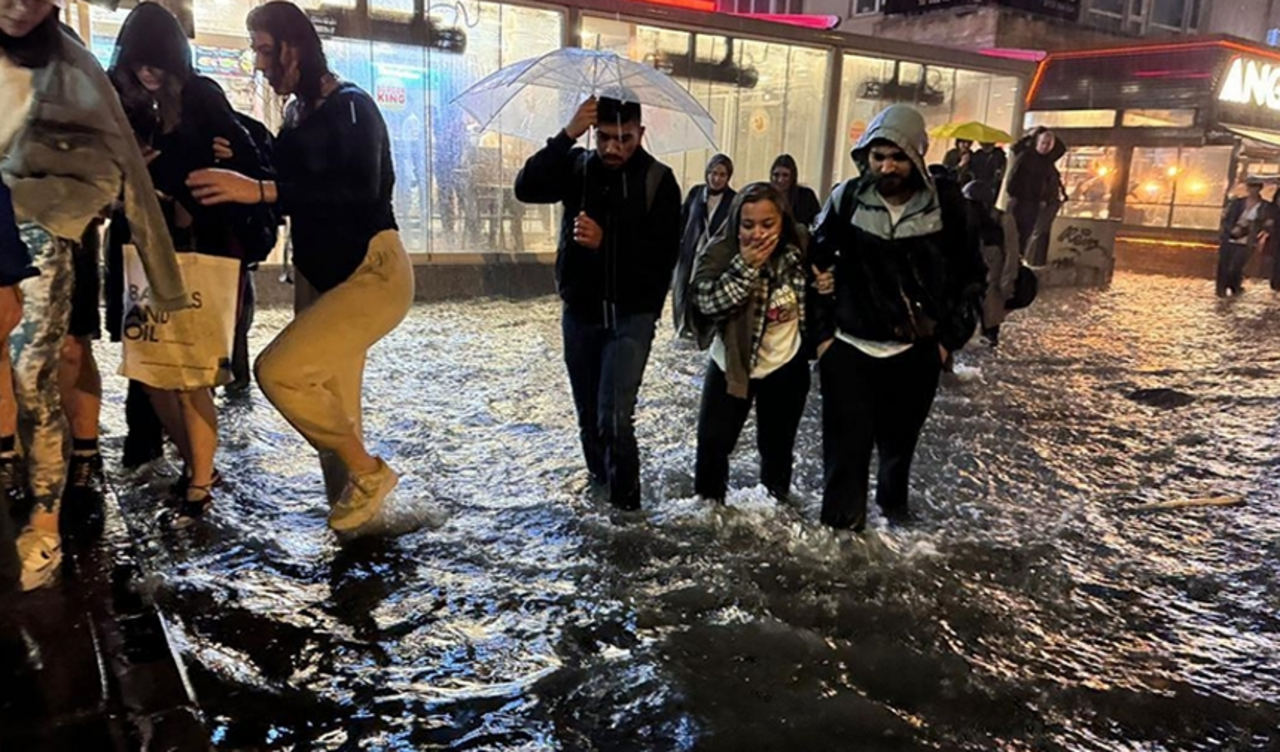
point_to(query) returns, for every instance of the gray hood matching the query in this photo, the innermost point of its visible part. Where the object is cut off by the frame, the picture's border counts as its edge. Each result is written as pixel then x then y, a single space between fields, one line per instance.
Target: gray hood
pixel 903 126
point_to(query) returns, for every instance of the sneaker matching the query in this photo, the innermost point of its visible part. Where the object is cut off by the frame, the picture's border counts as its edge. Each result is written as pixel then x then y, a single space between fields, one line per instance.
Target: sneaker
pixel 193 508
pixel 41 555
pixel 362 499
pixel 82 511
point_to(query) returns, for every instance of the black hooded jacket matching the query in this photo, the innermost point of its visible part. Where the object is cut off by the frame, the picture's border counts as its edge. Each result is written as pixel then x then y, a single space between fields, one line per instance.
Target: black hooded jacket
pixel 151 36
pixel 632 269
pixel 919 279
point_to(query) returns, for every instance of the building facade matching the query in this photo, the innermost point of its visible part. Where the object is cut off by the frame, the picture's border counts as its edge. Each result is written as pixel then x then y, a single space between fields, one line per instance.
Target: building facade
pixel 771 88
pixel 1051 25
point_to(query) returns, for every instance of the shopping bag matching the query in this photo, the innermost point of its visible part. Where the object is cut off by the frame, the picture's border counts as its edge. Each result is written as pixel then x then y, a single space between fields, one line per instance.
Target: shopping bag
pixel 186 349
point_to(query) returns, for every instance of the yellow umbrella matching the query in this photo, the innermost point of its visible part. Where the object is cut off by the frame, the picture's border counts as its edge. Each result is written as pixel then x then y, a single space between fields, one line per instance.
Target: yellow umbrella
pixel 972 131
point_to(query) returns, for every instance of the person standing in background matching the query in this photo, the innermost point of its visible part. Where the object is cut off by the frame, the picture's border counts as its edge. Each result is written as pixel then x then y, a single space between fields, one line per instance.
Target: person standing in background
pixel 804 203
pixel 703 214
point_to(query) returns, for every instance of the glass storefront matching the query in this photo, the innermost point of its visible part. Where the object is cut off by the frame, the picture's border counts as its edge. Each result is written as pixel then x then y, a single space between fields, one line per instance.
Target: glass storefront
pixel 944 95
pixel 1177 187
pixel 454 181
pixel 766 98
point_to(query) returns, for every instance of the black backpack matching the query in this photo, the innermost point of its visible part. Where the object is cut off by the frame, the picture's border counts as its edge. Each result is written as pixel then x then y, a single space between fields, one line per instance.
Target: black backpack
pixel 260 229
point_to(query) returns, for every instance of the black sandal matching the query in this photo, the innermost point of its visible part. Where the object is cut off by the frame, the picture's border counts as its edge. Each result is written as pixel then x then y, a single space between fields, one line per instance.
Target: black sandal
pixel 190 511
pixel 178 491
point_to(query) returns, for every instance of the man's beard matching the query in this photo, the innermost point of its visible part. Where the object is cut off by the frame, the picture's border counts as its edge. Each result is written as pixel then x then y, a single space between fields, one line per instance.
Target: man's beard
pixel 892 185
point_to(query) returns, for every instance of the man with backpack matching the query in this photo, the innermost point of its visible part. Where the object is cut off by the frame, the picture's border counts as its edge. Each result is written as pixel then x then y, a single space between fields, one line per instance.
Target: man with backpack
pixel 906 255
pixel 619 240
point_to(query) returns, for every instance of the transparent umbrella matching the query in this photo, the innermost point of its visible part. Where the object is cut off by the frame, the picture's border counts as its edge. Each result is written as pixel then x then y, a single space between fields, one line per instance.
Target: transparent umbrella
pixel 533 99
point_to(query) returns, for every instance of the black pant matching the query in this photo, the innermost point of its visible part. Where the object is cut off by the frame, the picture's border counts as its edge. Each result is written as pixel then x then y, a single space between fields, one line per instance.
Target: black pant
pixel 240 365
pixel 606 365
pixel 1025 213
pixel 1232 258
pixel 867 403
pixel 779 399
pixel 10 564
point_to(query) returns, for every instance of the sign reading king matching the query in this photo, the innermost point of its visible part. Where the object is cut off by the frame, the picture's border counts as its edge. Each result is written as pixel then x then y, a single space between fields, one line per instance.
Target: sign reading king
pixel 1253 82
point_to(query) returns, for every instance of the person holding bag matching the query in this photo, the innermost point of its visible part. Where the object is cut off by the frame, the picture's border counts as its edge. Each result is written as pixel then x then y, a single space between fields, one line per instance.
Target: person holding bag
pixel 186 124
pixel 354 281
pixel 753 281
pixel 68 154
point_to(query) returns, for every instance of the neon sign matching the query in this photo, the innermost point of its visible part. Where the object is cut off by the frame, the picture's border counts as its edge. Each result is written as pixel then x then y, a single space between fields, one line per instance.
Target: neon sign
pixel 1252 82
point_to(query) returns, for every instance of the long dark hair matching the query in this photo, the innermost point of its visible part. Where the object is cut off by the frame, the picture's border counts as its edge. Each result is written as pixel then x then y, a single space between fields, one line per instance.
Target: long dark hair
pixel 37 49
pixel 287 24
pixel 755 193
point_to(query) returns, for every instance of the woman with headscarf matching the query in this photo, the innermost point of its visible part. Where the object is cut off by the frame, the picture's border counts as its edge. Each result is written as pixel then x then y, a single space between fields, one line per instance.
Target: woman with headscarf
pixel 69 152
pixel 804 203
pixel 705 209
pixel 178 117
pixel 754 282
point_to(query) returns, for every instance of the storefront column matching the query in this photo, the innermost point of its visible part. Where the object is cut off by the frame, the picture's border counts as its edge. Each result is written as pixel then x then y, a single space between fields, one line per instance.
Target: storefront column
pixel 833 133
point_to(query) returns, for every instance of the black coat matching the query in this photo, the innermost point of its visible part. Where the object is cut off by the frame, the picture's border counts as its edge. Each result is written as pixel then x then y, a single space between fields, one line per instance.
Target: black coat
pixel 632 269
pixel 693 218
pixel 1034 176
pixel 942 275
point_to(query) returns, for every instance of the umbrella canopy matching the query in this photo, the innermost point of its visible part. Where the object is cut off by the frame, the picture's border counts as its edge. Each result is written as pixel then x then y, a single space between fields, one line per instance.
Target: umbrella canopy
pixel 972 131
pixel 533 99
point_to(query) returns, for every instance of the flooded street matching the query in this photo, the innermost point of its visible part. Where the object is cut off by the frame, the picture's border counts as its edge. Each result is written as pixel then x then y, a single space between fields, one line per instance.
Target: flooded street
pixel 1030 609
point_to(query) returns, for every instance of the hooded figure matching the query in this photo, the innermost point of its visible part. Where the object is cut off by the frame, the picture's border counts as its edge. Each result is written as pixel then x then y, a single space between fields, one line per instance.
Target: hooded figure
pixel 752 283
pixel 785 176
pixel 703 214
pixel 908 271
pixel 177 115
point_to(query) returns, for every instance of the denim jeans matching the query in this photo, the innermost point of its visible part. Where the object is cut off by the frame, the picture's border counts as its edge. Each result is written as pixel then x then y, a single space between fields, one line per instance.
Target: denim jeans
pixel 606 365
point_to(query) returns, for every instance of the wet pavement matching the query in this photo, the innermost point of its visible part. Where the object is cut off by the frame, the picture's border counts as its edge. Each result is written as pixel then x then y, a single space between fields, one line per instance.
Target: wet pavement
pixel 1031 608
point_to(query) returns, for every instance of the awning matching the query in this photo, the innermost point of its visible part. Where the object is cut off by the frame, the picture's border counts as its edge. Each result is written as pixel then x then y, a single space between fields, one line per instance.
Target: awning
pixel 1264 137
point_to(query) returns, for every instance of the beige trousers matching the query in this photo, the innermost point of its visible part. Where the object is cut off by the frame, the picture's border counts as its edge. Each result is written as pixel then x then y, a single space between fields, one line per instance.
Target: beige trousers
pixel 313 371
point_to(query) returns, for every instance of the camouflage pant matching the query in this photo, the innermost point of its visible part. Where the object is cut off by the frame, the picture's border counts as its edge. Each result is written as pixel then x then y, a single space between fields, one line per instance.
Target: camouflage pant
pixel 37 350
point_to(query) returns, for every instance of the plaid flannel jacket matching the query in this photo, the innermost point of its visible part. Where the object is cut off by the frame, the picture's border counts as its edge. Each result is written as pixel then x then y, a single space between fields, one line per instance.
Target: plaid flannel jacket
pixel 741 283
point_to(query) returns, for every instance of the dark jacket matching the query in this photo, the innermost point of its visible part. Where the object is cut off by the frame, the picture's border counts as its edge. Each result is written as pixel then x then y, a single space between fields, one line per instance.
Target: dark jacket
pixel 804 204
pixel 632 268
pixel 922 278
pixel 152 36
pixel 15 259
pixel 1034 176
pixel 1265 221
pixel 693 218
pixel 988 166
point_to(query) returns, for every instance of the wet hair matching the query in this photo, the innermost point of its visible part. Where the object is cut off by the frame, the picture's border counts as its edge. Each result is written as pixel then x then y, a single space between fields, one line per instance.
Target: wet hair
pixel 754 193
pixel 610 110
pixel 287 24
pixel 37 49
pixel 720 159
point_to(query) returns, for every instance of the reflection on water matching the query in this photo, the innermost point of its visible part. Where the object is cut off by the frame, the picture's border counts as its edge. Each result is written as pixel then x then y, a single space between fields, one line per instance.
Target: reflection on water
pixel 1029 610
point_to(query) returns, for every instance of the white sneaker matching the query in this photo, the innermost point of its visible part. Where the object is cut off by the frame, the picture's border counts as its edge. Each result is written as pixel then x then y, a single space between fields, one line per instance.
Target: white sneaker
pixel 362 499
pixel 41 555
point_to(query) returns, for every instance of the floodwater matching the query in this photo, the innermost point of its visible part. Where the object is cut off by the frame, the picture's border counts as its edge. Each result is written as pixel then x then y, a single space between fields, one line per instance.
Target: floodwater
pixel 1032 608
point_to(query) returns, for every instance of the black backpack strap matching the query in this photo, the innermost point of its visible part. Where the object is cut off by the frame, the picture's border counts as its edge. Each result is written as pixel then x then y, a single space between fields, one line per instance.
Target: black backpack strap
pixel 652 181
